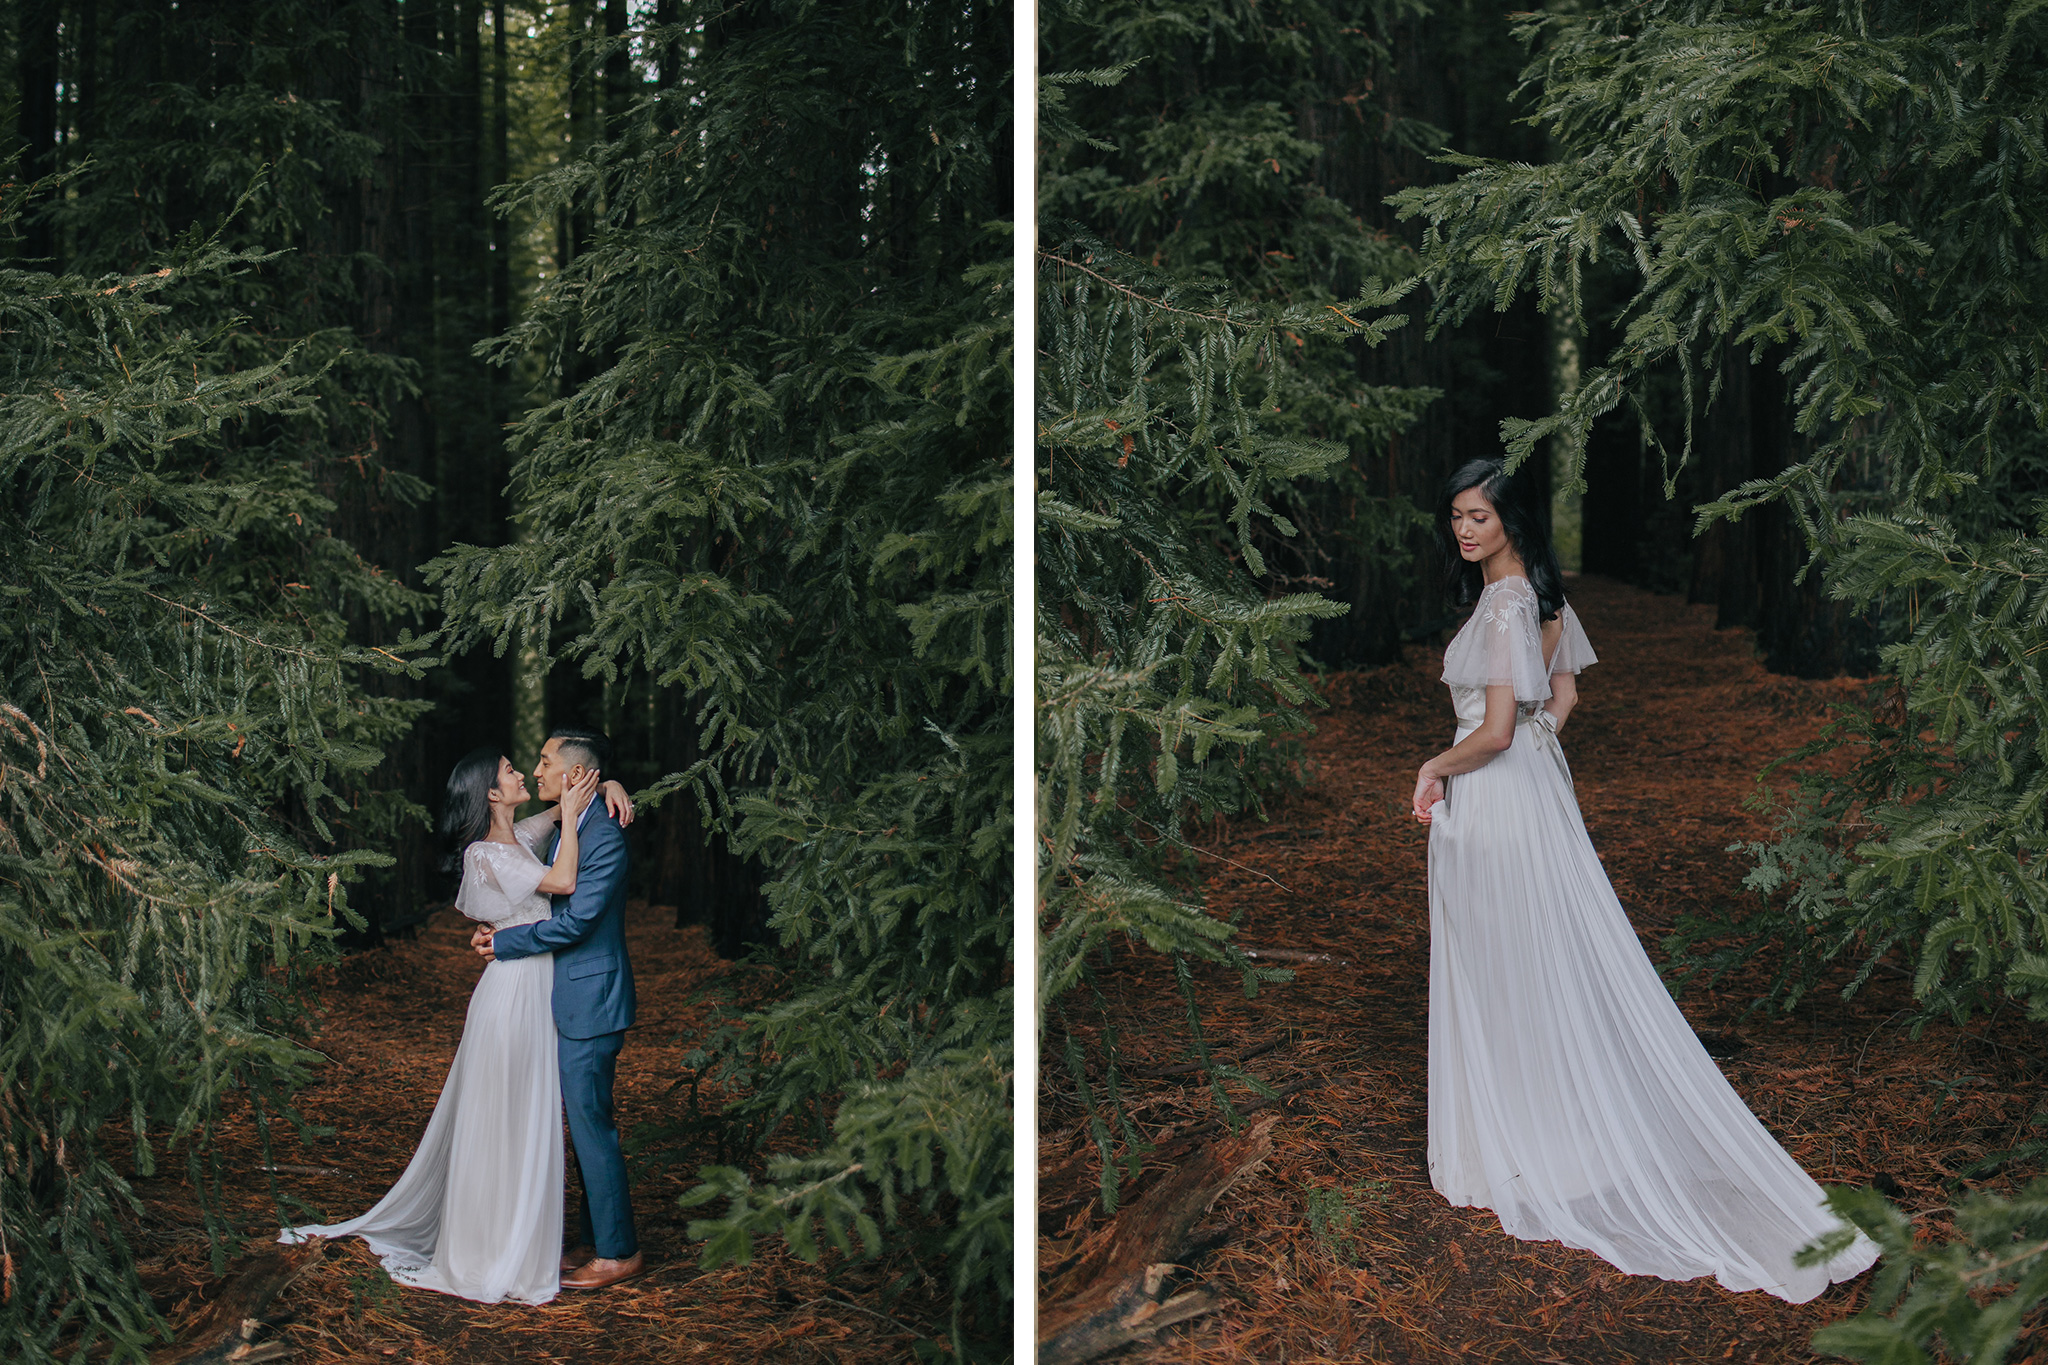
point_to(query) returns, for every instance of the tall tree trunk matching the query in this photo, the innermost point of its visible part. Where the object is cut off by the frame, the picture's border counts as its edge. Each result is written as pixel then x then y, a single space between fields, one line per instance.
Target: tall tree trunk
pixel 470 481
pixel 668 52
pixel 586 115
pixel 1451 69
pixel 526 690
pixel 36 24
pixel 85 71
pixel 618 67
pixel 476 698
pixel 500 227
pixel 1725 453
pixel 396 316
pixel 1567 513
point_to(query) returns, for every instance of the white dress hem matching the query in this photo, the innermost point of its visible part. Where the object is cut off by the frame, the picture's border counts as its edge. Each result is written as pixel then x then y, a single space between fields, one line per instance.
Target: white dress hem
pixel 1567 1093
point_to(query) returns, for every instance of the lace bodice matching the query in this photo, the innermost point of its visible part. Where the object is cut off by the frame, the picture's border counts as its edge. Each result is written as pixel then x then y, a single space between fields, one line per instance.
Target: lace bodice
pixel 499 880
pixel 1502 645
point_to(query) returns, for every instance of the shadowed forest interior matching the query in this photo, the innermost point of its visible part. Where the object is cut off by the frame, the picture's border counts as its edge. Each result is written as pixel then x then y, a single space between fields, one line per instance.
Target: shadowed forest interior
pixel 1754 297
pixel 386 378
pixel 389 378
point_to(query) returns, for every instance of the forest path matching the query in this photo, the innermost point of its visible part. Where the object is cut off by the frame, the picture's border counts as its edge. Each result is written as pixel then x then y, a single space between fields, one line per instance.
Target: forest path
pixel 390 1020
pixel 1674 723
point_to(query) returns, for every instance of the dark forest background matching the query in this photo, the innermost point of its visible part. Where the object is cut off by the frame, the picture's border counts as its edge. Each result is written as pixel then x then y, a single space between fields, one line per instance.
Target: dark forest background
pixel 1386 91
pixel 384 380
pixel 1753 292
pixel 369 138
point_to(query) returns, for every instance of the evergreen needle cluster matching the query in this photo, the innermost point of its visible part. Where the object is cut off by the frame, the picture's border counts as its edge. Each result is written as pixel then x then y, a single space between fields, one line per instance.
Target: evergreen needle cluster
pixel 1855 196
pixel 184 728
pixel 776 482
pixel 1203 309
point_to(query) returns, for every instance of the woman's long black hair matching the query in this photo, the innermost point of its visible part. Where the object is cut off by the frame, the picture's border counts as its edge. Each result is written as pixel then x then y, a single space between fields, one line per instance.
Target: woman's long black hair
pixel 1514 500
pixel 466 809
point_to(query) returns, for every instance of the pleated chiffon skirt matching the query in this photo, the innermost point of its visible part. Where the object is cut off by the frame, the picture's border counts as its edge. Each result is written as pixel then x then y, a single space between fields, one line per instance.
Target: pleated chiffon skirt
pixel 478 1212
pixel 1567 1093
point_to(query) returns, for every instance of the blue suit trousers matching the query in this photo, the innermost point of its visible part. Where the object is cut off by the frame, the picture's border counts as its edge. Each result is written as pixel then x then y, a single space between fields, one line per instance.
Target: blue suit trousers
pixel 605 1219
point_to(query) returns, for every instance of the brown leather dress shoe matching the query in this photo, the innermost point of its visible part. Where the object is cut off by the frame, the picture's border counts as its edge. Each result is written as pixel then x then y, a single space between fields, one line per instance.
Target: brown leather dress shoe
pixel 577 1257
pixel 604 1270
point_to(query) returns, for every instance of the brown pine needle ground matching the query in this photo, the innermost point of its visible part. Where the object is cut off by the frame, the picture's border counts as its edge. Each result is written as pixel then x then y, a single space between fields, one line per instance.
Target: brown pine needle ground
pixel 390 1020
pixel 1674 724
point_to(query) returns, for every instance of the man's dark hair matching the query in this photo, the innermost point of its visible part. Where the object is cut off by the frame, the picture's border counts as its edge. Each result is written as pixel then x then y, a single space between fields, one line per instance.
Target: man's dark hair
pixel 589 747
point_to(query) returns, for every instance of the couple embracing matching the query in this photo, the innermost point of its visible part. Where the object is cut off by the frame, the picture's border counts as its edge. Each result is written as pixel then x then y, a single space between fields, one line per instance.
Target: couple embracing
pixel 478 1212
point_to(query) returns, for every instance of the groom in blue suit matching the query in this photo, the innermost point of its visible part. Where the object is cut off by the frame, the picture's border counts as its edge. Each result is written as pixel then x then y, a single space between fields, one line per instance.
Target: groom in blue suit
pixel 593 1005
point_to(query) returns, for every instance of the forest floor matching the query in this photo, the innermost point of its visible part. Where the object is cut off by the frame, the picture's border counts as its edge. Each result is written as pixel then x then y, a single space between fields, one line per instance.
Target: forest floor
pixel 389 1020
pixel 1674 724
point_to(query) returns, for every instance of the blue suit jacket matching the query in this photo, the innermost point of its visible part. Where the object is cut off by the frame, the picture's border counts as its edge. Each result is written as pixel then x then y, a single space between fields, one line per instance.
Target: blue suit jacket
pixel 593 992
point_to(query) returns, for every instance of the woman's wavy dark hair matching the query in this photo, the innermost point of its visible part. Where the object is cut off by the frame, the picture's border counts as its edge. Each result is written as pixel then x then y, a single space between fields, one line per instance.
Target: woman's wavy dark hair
pixel 1513 498
pixel 466 809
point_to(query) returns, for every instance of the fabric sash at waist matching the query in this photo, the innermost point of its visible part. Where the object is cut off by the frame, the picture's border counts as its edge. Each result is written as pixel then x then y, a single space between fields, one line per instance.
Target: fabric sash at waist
pixel 1537 728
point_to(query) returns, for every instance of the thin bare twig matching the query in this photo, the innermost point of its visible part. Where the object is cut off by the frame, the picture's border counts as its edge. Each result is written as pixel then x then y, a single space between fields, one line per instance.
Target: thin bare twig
pixel 1129 292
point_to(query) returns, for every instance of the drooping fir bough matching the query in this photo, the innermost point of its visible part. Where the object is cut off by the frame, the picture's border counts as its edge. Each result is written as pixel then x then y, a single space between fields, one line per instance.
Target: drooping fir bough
pixel 777 485
pixel 1203 308
pixel 1850 197
pixel 181 720
pixel 350 139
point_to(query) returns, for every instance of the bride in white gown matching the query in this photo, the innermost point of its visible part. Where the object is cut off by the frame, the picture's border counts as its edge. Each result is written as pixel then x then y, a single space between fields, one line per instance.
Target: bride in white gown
pixel 1566 1091
pixel 478 1211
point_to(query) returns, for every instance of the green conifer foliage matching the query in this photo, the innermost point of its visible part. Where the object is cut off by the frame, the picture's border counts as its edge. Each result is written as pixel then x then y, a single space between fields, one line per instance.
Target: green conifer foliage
pixel 777 482
pixel 317 122
pixel 1853 194
pixel 1930 836
pixel 1856 195
pixel 180 712
pixel 1202 306
pixel 1972 1295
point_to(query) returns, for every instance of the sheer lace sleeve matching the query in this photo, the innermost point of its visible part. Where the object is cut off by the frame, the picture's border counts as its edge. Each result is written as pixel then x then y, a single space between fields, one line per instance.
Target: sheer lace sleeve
pixel 495 878
pixel 1574 651
pixel 1502 644
pixel 536 832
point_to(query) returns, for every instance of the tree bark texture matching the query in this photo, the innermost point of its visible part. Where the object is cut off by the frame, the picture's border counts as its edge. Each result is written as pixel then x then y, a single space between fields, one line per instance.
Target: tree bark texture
pixel 1113 1295
pixel 1452 71
pixel 227 1333
pixel 35 40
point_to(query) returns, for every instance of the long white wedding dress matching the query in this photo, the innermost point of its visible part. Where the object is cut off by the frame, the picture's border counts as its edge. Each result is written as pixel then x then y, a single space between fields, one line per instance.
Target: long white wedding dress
pixel 478 1212
pixel 1566 1091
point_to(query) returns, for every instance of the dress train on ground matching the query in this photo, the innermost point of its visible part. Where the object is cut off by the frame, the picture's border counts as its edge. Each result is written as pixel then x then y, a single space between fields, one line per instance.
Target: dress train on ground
pixel 478 1211
pixel 1567 1093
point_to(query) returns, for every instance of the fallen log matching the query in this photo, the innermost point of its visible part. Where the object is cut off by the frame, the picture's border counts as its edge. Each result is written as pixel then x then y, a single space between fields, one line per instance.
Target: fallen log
pixel 1168 1149
pixel 1114 1295
pixel 1054 1207
pixel 227 1334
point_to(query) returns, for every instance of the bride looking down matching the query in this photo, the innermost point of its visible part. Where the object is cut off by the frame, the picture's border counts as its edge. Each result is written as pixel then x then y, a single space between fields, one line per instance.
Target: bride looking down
pixel 1566 1092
